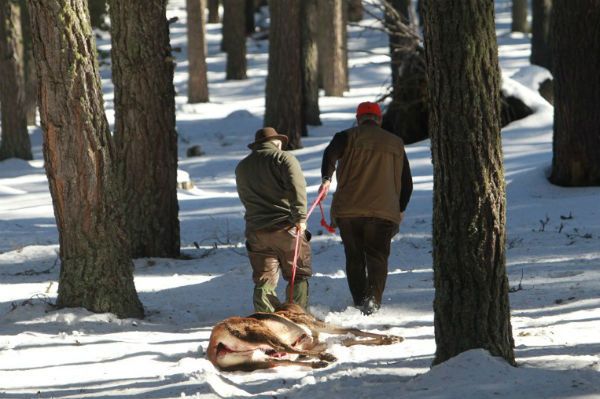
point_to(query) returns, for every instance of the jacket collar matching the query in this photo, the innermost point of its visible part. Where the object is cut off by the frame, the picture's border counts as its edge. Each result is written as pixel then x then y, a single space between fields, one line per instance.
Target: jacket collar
pixel 267 145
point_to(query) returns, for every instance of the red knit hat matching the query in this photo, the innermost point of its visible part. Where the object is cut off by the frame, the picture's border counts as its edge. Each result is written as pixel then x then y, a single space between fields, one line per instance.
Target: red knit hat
pixel 368 108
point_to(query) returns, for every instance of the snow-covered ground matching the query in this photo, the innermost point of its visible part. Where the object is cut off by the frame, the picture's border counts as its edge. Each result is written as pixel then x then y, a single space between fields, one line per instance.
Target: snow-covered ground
pixel 553 264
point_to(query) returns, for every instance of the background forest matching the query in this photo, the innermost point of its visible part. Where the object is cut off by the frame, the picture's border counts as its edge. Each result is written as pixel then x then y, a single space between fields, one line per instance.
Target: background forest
pixel 122 240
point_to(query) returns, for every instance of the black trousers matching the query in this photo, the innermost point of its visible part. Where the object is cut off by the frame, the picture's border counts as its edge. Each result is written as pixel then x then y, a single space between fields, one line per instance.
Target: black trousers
pixel 367 246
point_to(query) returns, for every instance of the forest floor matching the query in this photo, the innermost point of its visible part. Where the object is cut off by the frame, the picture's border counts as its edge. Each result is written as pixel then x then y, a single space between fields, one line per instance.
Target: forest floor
pixel 553 259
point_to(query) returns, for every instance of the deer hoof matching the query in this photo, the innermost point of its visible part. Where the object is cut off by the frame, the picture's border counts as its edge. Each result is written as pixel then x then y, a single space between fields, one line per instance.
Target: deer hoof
pixel 328 357
pixel 319 365
pixel 393 339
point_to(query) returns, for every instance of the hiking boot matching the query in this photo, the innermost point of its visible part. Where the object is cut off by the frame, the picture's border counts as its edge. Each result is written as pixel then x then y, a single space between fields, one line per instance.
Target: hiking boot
pixel 370 306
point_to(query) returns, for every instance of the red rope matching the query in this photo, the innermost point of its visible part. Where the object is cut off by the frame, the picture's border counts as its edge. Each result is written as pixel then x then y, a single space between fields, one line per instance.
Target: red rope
pixel 297 245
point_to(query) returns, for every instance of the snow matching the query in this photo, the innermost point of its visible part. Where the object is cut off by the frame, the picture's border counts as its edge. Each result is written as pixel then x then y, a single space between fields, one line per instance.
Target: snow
pixel 553 257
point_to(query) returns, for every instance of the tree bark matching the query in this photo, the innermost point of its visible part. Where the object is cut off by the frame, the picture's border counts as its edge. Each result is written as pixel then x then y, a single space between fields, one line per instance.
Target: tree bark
pixel 541 50
pixel 31 83
pixel 355 10
pixel 519 16
pixel 234 38
pixel 471 305
pixel 213 12
pixel 196 34
pixel 142 72
pixel 310 61
pixel 332 58
pixel 576 45
pixel 96 270
pixel 284 100
pixel 15 137
pixel 399 46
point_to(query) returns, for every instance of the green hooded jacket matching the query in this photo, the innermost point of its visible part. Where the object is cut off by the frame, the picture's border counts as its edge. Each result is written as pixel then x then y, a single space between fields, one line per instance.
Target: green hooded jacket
pixel 271 187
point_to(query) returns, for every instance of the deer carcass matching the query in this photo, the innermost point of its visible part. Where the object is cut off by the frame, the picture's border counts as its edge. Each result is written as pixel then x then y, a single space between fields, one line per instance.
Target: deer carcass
pixel 289 336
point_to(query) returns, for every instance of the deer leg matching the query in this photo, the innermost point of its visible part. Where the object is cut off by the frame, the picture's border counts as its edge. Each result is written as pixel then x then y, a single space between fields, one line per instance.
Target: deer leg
pixel 382 340
pixel 377 339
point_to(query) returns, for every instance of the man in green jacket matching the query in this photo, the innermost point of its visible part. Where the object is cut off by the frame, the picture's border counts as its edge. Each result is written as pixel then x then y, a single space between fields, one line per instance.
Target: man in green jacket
pixel 272 188
pixel 374 185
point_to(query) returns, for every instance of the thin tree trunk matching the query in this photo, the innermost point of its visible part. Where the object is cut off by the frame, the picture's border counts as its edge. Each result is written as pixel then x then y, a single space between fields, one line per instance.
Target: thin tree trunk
pixel 250 26
pixel 15 141
pixel 519 16
pixel 541 50
pixel 213 12
pixel 332 47
pixel 576 145
pixel 355 10
pixel 31 83
pixel 196 34
pixel 96 270
pixel 399 45
pixel 234 38
pixel 284 100
pixel 310 61
pixel 471 305
pixel 142 71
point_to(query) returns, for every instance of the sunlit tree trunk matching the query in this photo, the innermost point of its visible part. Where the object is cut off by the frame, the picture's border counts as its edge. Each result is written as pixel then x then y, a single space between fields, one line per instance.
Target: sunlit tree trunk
pixel 14 141
pixel 332 57
pixel 96 269
pixel 576 145
pixel 196 34
pixel 471 305
pixel 142 72
pixel 284 100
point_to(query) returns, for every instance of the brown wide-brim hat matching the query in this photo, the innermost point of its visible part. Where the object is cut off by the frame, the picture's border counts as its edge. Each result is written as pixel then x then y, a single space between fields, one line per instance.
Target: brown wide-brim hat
pixel 266 134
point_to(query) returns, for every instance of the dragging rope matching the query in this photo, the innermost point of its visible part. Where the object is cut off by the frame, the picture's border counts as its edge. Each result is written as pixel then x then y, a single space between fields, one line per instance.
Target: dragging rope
pixel 297 246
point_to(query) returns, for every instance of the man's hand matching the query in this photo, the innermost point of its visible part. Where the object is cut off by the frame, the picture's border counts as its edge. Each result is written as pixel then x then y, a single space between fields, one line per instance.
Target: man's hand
pixel 324 189
pixel 301 226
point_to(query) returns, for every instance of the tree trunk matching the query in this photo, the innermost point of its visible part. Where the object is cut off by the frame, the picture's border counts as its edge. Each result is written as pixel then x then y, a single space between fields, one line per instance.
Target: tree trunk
pixel 213 12
pixel 98 14
pixel 310 61
pixel 576 145
pixel 399 46
pixel 471 306
pixel 15 137
pixel 196 34
pixel 332 59
pixel 519 16
pixel 31 83
pixel 234 38
pixel 541 50
pixel 355 10
pixel 249 17
pixel 284 100
pixel 96 270
pixel 142 71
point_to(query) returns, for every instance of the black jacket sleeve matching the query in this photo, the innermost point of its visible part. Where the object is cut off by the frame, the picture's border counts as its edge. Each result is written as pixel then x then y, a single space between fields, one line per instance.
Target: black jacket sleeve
pixel 333 152
pixel 407 185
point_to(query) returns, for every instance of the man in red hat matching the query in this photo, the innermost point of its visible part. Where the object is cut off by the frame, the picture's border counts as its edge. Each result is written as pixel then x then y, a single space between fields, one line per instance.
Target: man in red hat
pixel 374 185
pixel 272 189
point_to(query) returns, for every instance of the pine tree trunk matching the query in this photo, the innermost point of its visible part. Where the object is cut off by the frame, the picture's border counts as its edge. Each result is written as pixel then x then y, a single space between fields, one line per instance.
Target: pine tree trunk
pixel 541 51
pixel 234 38
pixel 15 141
pixel 332 48
pixel 196 34
pixel 576 45
pixel 355 10
pixel 398 45
pixel 142 71
pixel 519 16
pixel 31 83
pixel 310 60
pixel 213 12
pixel 96 270
pixel 471 305
pixel 284 100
